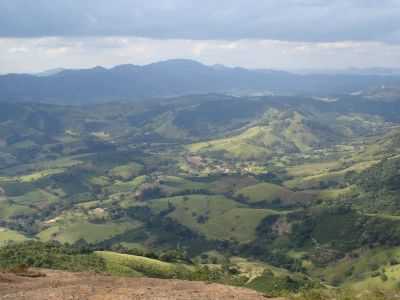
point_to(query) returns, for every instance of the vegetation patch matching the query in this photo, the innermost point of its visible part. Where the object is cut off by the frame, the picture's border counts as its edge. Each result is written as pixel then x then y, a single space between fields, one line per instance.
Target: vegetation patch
pixel 71 232
pixel 49 255
pixel 7 235
pixel 138 265
pixel 126 172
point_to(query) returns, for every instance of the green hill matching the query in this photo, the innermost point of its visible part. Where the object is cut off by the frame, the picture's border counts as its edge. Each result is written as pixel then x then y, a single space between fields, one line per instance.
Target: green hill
pixel 272 194
pixel 294 183
pixel 278 133
pixel 138 266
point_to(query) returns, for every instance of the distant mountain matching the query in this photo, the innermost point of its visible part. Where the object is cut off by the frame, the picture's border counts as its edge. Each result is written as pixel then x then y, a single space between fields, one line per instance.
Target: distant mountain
pixel 374 71
pixel 351 71
pixel 172 78
pixel 388 94
pixel 49 72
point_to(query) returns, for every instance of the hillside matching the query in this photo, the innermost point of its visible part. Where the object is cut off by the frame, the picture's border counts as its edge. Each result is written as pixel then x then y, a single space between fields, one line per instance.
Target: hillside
pixel 273 191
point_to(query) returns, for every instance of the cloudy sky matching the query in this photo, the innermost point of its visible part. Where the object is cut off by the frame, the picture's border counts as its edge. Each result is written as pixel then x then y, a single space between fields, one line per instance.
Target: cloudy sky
pixel 37 35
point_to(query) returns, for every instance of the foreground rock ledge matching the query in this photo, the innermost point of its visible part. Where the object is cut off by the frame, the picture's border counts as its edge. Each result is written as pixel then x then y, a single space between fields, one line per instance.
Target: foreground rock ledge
pixel 58 285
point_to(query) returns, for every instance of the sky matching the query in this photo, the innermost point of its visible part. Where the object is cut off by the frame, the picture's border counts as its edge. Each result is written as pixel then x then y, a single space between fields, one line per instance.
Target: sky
pixel 37 35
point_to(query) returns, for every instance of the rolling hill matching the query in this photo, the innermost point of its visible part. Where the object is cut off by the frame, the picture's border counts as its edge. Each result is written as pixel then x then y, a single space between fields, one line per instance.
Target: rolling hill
pixel 278 188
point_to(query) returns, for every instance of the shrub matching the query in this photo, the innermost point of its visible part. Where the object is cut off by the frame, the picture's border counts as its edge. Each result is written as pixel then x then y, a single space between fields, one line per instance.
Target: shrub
pixel 50 255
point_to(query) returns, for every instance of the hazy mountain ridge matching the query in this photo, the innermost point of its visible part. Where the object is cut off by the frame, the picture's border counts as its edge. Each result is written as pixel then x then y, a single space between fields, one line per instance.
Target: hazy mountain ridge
pixel 171 78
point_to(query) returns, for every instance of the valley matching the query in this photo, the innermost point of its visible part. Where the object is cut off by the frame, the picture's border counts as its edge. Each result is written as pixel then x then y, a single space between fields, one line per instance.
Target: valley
pixel 287 192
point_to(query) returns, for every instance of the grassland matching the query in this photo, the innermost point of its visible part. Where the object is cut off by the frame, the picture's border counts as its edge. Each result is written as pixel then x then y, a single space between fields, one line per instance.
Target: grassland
pixel 325 176
pixel 174 184
pixel 209 216
pixel 36 198
pixel 337 193
pixel 370 268
pixel 240 146
pixel 74 228
pixel 312 169
pixel 131 265
pixel 126 172
pixel 7 235
pixel 127 186
pixel 33 176
pixel 198 212
pixel 231 184
pixel 9 210
pixel 278 133
pixel 266 192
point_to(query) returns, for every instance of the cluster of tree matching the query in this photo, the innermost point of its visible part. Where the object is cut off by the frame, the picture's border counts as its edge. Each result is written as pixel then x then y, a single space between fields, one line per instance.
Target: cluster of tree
pixel 352 231
pixel 165 232
pixel 172 255
pixel 278 285
pixel 52 255
pixel 383 176
pixel 80 257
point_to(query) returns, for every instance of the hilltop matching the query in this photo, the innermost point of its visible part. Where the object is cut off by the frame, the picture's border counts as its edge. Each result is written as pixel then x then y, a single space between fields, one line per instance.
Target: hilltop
pixel 59 285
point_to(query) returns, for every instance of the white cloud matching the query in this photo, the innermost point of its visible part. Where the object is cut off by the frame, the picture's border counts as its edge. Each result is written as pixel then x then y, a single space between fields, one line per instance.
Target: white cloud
pixel 18 50
pixel 57 51
pixel 31 55
pixel 285 34
pixel 288 20
pixel 199 48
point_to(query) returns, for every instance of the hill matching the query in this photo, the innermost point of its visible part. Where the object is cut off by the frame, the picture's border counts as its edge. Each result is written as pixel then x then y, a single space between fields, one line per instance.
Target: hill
pixel 268 192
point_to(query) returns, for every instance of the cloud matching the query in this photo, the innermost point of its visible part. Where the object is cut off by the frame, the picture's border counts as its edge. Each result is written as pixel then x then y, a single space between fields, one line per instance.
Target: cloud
pixel 285 20
pixel 38 54
pixel 18 50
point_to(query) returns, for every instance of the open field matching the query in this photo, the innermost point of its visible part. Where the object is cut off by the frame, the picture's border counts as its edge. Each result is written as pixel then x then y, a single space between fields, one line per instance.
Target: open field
pixel 73 231
pixel 138 266
pixel 7 235
pixel 272 194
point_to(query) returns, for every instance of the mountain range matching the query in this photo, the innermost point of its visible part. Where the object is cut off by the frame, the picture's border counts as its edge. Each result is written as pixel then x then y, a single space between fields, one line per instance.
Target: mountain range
pixel 174 78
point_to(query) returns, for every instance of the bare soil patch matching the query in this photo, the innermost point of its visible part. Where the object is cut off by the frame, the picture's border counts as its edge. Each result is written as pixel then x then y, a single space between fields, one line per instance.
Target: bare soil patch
pixel 58 285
